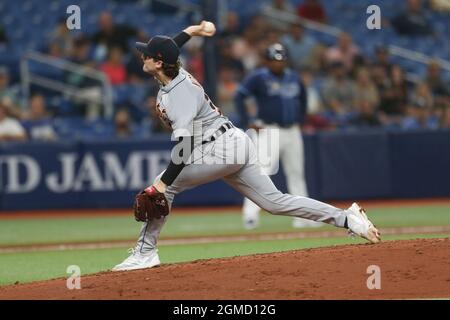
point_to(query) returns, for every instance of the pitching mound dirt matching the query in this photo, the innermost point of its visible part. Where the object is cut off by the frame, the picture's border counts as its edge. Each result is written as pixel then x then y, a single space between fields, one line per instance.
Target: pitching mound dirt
pixel 409 269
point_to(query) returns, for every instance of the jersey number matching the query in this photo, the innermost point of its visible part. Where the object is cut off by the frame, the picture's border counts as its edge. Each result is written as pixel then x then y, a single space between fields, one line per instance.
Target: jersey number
pixel 208 100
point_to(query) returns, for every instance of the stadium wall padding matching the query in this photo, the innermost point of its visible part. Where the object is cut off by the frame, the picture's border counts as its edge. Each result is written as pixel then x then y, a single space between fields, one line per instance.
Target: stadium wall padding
pixel 339 166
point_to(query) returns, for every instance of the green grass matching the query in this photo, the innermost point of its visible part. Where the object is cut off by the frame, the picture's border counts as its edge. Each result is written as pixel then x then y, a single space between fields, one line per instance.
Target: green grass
pixel 66 230
pixel 33 266
pixel 54 230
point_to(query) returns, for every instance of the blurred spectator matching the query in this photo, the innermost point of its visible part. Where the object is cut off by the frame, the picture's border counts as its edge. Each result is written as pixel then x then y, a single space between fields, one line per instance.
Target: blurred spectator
pixel 421 109
pixel 195 63
pixel 88 99
pixel 111 35
pixel 312 10
pixel 232 29
pixel 271 37
pixel 434 80
pixel 80 52
pixel 275 12
pixel 440 5
pixel 441 92
pixel 10 128
pixel 314 101
pixel 367 115
pixel 359 62
pixel 54 49
pixel 338 90
pixel 300 46
pixel 9 95
pixel 413 21
pixel 226 90
pixel 62 37
pixel 114 67
pixel 421 105
pixel 366 100
pixel 445 117
pixel 422 96
pixel 393 91
pixel 122 124
pixel 228 61
pixel 419 117
pixel 344 51
pixel 260 25
pixel 246 49
pixel 442 112
pixel 365 90
pixel 5 91
pixel 314 118
pixel 382 58
pixel 38 123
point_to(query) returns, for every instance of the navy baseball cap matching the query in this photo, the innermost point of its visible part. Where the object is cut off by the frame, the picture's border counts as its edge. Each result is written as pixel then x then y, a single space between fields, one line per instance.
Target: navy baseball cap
pixel 161 48
pixel 276 52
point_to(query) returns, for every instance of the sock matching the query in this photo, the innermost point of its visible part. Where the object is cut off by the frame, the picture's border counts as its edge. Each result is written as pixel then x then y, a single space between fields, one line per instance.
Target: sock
pixel 346 223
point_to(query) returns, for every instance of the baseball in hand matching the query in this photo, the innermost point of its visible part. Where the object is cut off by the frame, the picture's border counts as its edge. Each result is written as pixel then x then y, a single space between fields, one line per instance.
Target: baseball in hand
pixel 209 27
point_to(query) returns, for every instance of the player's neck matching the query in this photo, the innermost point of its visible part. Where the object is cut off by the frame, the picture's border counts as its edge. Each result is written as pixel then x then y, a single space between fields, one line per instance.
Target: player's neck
pixel 163 79
pixel 278 74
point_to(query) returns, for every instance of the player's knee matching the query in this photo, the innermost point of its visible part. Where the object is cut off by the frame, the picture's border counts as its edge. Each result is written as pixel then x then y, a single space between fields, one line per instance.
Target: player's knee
pixel 274 208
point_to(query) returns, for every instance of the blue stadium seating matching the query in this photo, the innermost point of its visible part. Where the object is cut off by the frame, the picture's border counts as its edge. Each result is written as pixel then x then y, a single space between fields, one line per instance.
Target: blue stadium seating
pixel 29 22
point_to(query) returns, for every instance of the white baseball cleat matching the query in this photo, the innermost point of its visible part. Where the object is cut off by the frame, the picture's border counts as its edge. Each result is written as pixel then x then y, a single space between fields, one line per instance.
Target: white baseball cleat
pixel 139 261
pixel 251 224
pixel 359 224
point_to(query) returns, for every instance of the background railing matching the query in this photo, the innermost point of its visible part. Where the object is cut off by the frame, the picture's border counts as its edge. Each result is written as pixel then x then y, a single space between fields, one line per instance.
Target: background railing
pixel 29 78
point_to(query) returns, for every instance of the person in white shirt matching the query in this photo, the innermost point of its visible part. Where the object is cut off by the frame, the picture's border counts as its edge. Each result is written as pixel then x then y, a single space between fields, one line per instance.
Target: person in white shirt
pixel 10 128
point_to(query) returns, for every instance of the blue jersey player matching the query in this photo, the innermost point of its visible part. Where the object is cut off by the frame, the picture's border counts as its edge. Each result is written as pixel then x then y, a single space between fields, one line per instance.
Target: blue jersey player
pixel 280 101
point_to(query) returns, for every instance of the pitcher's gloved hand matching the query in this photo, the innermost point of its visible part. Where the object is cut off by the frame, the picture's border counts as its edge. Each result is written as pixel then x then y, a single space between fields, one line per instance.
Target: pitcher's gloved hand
pixel 150 204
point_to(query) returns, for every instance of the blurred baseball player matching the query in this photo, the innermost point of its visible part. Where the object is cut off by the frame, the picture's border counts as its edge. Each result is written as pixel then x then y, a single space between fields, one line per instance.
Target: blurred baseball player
pixel 210 147
pixel 280 105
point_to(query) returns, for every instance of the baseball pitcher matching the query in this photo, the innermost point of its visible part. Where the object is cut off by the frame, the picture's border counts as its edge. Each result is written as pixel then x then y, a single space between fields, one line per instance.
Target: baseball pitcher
pixel 210 147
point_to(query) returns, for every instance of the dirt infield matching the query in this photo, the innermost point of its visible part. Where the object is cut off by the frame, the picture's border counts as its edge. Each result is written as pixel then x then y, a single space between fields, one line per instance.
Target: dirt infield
pixel 409 269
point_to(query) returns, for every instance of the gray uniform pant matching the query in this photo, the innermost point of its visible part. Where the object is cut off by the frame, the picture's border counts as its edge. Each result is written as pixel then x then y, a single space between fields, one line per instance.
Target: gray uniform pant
pixel 289 149
pixel 232 157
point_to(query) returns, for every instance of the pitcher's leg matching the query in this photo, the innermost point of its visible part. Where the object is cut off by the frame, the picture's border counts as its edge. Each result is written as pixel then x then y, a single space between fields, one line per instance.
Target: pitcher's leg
pixel 191 176
pixel 250 215
pixel 260 189
pixel 268 155
pixel 150 230
pixel 250 210
pixel 149 234
pixel 293 159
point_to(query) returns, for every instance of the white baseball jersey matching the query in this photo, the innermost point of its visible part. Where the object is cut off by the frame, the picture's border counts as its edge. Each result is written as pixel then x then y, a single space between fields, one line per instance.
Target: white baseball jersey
pixel 184 106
